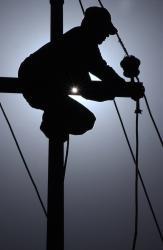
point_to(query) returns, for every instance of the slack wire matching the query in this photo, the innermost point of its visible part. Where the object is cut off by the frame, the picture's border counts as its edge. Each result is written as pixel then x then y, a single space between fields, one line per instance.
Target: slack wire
pixel 154 124
pixel 140 177
pixel 130 148
pixel 143 185
pixel 145 98
pixel 81 5
pixel 136 181
pixel 100 3
pixel 23 159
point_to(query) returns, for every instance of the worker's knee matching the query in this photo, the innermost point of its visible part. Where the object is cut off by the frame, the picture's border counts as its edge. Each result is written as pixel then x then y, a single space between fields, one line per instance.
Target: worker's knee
pixel 91 121
pixel 81 126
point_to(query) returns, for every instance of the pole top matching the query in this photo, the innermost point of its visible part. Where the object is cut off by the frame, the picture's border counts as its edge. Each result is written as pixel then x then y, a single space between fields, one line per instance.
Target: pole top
pixel 58 2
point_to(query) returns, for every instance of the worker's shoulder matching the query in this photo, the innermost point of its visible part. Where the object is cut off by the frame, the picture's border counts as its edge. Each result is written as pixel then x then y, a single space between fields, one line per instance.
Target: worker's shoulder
pixel 72 35
pixel 73 32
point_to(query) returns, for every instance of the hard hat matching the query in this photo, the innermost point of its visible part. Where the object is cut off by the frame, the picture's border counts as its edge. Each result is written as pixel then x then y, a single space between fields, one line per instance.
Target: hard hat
pixel 100 16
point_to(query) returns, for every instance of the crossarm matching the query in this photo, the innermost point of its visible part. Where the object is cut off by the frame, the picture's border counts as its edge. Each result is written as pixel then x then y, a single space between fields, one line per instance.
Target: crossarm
pixel 10 85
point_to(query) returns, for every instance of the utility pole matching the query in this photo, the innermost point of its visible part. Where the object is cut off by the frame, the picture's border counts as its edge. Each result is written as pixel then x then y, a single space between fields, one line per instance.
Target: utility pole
pixel 55 219
pixel 56 19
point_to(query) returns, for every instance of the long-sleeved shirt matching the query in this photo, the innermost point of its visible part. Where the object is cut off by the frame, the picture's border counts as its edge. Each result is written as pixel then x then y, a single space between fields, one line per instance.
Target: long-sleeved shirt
pixel 54 68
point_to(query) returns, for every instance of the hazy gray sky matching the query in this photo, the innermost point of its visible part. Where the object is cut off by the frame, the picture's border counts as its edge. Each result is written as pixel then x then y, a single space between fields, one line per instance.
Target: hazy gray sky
pixel 99 185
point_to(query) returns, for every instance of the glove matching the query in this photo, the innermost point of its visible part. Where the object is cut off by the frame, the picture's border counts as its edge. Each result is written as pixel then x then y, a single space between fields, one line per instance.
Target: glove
pixel 129 89
pixel 137 91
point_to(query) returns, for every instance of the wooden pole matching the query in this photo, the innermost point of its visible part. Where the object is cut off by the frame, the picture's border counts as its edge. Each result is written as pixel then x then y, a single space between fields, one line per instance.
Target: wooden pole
pixel 55 220
pixel 56 29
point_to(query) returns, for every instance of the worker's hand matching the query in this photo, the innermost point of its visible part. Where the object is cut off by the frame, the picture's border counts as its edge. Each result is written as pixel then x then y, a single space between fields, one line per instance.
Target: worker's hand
pixel 136 91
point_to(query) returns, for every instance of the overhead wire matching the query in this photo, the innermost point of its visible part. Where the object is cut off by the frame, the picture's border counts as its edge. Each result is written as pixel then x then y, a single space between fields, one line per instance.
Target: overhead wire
pixel 66 157
pixel 24 161
pixel 136 160
pixel 136 183
pixel 131 151
pixel 137 169
pixel 139 173
pixel 100 3
pixel 81 5
pixel 145 98
pixel 154 123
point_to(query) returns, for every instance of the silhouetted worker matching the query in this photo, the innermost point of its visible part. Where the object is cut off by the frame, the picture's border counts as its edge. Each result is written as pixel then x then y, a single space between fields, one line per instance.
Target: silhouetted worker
pixel 51 72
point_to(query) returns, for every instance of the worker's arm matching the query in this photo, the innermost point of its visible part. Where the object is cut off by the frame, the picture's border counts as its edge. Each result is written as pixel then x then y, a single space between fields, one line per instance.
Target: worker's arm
pixel 102 91
pixel 112 85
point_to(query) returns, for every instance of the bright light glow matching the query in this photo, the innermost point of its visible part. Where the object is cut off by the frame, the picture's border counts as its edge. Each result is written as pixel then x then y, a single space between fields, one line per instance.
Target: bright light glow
pixel 74 90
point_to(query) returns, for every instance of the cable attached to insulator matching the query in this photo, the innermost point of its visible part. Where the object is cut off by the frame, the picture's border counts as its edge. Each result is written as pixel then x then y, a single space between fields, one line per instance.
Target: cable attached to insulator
pixel 81 5
pixel 100 3
pixel 23 159
pixel 145 98
pixel 122 44
pixel 129 145
pixel 140 177
pixel 136 183
pixel 154 123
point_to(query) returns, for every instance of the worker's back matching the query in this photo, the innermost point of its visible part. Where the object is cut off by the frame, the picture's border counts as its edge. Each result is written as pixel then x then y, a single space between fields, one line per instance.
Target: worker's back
pixel 50 71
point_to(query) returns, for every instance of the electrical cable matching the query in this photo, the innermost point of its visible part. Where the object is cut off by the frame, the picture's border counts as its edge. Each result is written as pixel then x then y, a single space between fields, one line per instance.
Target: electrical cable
pixel 140 177
pixel 154 123
pixel 145 98
pixel 81 5
pixel 130 148
pixel 102 6
pixel 146 194
pixel 136 160
pixel 148 108
pixel 149 202
pixel 136 183
pixel 23 159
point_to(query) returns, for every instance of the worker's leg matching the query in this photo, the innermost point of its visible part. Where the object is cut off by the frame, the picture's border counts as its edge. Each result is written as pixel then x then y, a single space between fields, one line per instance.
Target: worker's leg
pixel 66 116
pixel 33 86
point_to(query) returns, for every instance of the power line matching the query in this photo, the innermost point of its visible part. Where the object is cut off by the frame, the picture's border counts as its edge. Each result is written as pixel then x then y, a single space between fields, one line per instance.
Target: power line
pixel 101 4
pixel 140 177
pixel 81 5
pixel 136 183
pixel 148 108
pixel 154 123
pixel 129 145
pixel 136 160
pixel 23 159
